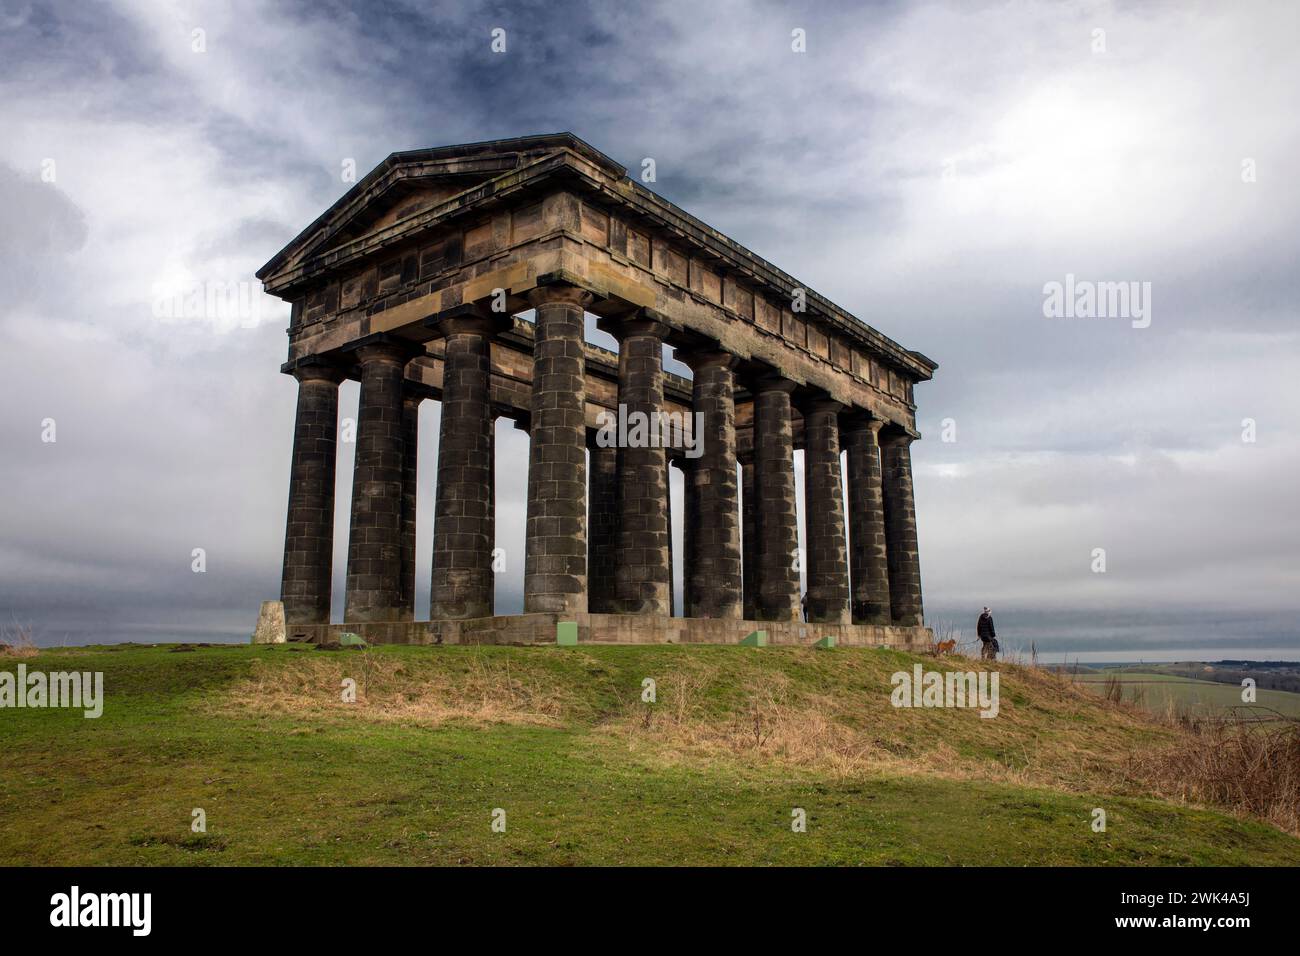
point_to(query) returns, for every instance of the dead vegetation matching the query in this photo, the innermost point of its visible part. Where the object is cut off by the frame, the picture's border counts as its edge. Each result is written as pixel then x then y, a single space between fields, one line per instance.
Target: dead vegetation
pixel 773 724
pixel 857 733
pixel 1231 763
pixel 1113 690
pixel 387 688
pixel 1241 761
pixel 1113 746
pixel 821 713
pixel 16 641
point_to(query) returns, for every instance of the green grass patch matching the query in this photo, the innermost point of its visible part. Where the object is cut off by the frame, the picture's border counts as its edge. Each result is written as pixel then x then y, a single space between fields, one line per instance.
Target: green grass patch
pixel 585 771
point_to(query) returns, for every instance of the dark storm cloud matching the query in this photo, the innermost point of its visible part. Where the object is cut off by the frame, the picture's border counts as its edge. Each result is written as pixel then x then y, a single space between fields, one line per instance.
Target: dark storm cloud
pixel 929 167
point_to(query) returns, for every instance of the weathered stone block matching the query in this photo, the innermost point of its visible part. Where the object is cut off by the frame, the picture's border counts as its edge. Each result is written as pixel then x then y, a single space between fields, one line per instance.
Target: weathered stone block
pixel 270 624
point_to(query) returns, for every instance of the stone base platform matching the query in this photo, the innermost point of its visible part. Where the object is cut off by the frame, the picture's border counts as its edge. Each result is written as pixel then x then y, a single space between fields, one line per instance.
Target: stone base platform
pixel 616 629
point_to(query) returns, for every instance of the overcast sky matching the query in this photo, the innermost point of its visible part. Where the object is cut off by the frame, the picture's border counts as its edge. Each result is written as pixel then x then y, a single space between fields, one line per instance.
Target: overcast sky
pixel 929 167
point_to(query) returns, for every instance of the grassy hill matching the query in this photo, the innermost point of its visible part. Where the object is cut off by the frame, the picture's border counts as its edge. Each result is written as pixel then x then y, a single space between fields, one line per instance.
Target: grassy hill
pixel 586 772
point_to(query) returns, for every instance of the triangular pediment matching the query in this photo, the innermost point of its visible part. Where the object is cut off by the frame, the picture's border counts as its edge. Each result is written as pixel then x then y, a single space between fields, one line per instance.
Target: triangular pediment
pixel 409 183
pixel 399 203
pixel 406 197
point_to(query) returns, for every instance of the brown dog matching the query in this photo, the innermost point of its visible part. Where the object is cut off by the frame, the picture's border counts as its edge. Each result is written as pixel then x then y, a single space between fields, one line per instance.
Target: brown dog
pixel 944 647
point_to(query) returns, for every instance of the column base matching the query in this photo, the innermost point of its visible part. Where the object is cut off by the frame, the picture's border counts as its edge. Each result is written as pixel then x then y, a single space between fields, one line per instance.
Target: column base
pixel 460 610
pixel 732 613
pixel 833 617
pixel 365 615
pixel 778 615
pixel 540 629
pixel 868 613
pixel 553 603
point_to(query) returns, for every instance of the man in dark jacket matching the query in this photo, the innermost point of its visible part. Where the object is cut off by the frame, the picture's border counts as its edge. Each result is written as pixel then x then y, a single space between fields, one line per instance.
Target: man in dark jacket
pixel 986 633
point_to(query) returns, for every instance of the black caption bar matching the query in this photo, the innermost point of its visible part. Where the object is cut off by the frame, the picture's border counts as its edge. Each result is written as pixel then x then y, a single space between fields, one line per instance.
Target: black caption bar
pixel 142 906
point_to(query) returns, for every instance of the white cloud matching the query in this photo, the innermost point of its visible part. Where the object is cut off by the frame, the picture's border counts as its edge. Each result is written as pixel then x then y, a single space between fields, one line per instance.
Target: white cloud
pixel 176 167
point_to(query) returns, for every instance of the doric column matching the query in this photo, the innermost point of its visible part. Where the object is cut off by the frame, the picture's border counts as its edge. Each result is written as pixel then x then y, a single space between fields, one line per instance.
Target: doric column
pixel 777 518
pixel 672 557
pixel 749 538
pixel 410 490
pixel 868 558
pixel 463 532
pixel 309 528
pixel 492 500
pixel 555 560
pixel 900 531
pixel 643 572
pixel 602 527
pixel 690 523
pixel 827 564
pixel 713 584
pixel 374 588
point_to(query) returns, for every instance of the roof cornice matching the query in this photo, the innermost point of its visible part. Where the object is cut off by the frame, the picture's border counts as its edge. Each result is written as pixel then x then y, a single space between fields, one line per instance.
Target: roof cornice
pixel 581 166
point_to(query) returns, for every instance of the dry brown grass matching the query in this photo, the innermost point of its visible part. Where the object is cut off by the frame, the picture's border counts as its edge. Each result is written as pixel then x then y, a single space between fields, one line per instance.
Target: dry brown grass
pixel 1113 690
pixel 774 724
pixel 1230 764
pixel 863 734
pixel 16 641
pixel 487 691
pixel 825 715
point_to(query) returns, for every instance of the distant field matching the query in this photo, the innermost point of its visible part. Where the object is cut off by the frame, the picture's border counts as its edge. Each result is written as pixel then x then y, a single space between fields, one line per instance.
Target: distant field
pixel 1156 692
